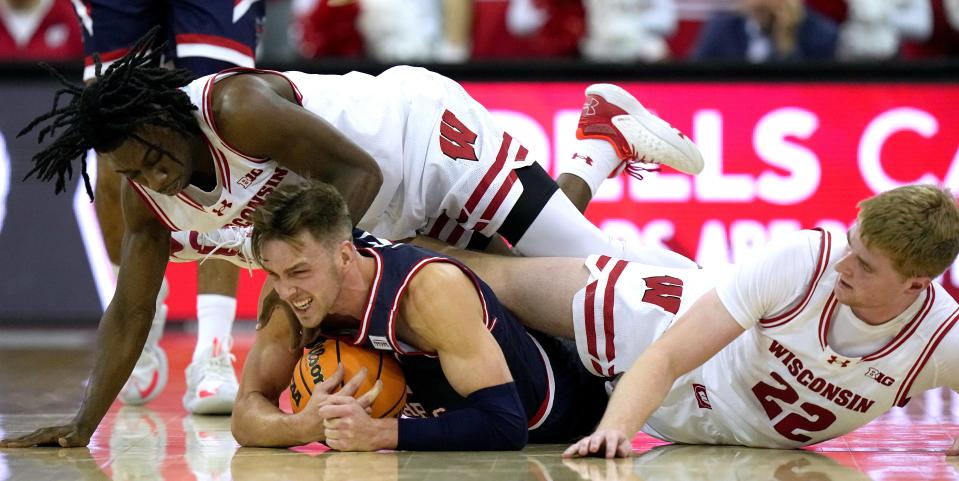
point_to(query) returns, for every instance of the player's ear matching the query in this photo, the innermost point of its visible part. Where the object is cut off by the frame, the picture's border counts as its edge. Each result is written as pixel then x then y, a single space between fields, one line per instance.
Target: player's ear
pixel 919 283
pixel 346 254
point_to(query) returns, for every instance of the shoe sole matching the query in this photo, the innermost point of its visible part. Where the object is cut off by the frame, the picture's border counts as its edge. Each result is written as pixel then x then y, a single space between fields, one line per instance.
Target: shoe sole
pixel 221 403
pixel 691 161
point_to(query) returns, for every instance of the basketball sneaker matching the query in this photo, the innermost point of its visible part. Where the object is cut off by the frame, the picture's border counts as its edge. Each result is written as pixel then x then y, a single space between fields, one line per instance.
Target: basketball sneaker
pixel 151 372
pixel 211 383
pixel 229 243
pixel 611 113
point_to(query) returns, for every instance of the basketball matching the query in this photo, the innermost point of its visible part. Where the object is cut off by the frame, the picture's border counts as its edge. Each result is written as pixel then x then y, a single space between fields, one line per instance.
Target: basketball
pixel 320 362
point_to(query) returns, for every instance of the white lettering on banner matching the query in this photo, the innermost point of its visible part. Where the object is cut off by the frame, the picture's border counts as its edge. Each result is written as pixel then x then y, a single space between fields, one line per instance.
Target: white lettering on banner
pixel 655 233
pixel 711 183
pixel 100 265
pixel 528 132
pixel 878 131
pixel 4 178
pixel 746 237
pixel 771 144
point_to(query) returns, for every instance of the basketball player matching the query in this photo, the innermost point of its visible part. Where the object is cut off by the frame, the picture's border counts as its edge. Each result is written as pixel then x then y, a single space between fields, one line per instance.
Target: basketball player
pixel 205 36
pixel 813 339
pixel 202 156
pixel 479 381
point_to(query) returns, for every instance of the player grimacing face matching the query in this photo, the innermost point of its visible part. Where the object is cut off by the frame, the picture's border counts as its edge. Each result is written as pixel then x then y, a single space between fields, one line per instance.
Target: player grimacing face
pixel 308 276
pixel 867 278
pixel 166 173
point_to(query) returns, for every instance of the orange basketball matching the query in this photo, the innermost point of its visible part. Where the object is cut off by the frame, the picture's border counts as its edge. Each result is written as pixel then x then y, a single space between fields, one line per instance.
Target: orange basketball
pixel 320 362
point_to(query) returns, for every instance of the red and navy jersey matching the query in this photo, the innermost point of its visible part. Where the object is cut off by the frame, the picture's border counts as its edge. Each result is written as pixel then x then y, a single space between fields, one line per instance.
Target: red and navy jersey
pixel 561 400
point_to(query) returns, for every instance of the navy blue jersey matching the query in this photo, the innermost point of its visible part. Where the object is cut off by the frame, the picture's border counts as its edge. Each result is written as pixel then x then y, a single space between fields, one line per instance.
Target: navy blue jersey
pixel 561 400
pixel 204 36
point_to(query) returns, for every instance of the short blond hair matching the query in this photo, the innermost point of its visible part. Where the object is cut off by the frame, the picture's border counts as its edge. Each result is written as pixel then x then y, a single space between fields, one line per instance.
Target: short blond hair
pixel 312 206
pixel 917 226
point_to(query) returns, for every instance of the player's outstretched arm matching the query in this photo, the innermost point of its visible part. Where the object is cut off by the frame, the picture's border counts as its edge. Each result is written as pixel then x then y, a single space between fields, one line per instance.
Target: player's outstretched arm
pixel 123 328
pixel 257 419
pixel 698 335
pixel 443 314
pixel 259 115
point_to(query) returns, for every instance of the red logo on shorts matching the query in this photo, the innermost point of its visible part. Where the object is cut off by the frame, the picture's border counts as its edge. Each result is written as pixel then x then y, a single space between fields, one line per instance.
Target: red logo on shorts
pixel 701 398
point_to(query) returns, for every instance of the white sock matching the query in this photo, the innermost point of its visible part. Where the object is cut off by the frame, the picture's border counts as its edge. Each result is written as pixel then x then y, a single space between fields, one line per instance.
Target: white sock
pixel 602 161
pixel 215 315
pixel 561 231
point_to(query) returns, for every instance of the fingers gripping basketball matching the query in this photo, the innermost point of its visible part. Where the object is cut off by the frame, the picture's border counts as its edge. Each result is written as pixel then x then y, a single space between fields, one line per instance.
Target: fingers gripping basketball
pixel 319 363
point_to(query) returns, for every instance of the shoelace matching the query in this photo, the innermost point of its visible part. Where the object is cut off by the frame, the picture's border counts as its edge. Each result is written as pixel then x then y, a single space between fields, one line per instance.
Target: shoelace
pixel 236 242
pixel 635 171
pixel 220 367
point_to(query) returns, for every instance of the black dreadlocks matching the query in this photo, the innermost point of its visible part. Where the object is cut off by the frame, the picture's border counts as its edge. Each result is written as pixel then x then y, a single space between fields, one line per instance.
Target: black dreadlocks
pixel 133 92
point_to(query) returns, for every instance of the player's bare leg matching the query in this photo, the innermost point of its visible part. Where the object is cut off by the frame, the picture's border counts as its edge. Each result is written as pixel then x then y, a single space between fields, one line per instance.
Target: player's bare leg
pixel 536 289
pixel 576 190
pixel 211 381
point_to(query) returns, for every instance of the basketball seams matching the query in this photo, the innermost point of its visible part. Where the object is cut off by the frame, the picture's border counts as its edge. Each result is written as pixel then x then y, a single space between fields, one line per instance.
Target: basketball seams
pixel 392 399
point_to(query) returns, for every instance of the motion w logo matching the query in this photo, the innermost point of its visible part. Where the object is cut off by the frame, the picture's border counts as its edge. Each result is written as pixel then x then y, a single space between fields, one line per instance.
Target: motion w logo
pixel 456 140
pixel 665 292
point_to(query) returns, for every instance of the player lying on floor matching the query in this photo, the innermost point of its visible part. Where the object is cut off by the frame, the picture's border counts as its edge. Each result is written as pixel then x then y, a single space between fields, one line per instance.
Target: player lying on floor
pixel 489 383
pixel 409 150
pixel 810 341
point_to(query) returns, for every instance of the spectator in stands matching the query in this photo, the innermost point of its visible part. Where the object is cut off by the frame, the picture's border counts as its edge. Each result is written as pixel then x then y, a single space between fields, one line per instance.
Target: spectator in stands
pixel 944 40
pixel 628 30
pixel 527 28
pixel 768 30
pixel 414 30
pixel 39 30
pixel 874 29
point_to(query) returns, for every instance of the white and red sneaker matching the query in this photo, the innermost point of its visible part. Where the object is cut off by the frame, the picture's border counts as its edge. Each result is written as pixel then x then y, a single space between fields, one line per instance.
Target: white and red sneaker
pixel 611 113
pixel 149 376
pixel 230 243
pixel 211 383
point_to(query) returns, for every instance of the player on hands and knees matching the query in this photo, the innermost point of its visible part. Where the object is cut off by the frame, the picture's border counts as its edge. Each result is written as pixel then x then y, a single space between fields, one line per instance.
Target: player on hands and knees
pixel 204 37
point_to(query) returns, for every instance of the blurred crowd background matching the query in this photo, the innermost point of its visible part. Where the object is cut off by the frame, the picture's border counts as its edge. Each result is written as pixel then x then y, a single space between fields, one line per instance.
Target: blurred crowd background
pixel 603 31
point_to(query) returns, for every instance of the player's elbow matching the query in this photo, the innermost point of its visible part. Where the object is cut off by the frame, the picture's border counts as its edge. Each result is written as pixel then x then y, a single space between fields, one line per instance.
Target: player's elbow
pixel 515 437
pixel 242 424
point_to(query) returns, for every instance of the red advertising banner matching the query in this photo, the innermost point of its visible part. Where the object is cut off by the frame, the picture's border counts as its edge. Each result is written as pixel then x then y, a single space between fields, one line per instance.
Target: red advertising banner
pixel 779 157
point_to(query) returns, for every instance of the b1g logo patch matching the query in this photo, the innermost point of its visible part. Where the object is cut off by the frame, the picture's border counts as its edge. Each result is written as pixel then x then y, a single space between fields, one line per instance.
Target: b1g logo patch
pixel 247 180
pixel 879 377
pixel 701 398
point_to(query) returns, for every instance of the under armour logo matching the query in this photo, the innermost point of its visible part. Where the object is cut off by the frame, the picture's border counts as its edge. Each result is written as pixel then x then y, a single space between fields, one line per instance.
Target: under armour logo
pixel 224 205
pixel 589 107
pixel 588 159
pixel 834 359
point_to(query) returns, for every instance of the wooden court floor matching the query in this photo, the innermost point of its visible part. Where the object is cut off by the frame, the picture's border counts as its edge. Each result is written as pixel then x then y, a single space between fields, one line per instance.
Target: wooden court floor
pixel 42 383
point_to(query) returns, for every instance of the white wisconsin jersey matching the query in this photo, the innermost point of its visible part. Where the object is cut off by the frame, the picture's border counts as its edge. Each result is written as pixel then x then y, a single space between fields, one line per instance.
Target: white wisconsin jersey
pixel 781 384
pixel 404 118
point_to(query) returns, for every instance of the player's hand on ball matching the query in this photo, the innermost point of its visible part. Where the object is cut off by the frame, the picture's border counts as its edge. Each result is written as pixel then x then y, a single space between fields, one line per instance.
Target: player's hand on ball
pixel 608 443
pixel 66 436
pixel 348 424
